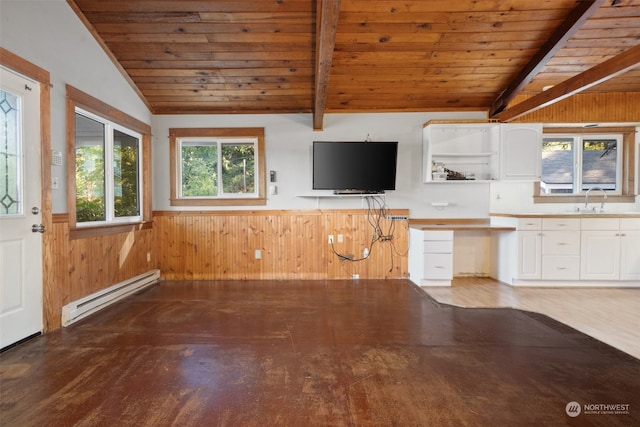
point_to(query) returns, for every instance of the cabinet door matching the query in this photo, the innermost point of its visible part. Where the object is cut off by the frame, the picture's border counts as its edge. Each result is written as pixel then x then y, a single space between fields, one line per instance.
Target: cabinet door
pixel 630 255
pixel 520 151
pixel 529 254
pixel 600 255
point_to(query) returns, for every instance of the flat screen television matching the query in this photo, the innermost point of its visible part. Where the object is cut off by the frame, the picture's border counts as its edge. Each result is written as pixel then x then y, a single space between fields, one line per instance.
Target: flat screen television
pixel 354 167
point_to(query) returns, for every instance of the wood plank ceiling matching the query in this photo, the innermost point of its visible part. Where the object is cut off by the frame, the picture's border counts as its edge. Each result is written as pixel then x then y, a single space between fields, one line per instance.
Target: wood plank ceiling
pixel 347 56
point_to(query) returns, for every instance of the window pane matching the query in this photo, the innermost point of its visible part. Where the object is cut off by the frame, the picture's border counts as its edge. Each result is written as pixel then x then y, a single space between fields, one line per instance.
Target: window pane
pixel 599 160
pixel 199 169
pixel 238 169
pixel 10 155
pixel 90 203
pixel 557 165
pixel 125 175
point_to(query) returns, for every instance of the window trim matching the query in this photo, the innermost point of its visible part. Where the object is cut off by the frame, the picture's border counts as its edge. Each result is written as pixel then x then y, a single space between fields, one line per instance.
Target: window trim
pixel 627 190
pixel 77 99
pixel 578 158
pixel 254 133
pixel 110 127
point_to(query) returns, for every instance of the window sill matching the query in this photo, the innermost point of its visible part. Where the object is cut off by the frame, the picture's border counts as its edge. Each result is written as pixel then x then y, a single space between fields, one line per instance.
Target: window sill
pixel 105 230
pixel 254 201
pixel 577 198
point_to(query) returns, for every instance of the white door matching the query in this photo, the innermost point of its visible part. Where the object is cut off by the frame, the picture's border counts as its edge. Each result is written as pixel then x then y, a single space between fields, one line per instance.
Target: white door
pixel 20 198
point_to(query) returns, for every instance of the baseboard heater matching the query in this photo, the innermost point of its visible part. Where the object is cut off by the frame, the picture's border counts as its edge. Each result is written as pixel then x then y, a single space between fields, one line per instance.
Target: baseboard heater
pixel 83 307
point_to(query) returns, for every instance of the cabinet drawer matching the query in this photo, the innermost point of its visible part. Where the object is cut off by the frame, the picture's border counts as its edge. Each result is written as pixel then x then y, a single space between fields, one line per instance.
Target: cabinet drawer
pixel 529 223
pixel 560 268
pixel 561 243
pixel 438 266
pixel 438 247
pixel 437 235
pixel 629 224
pixel 600 224
pixel 561 223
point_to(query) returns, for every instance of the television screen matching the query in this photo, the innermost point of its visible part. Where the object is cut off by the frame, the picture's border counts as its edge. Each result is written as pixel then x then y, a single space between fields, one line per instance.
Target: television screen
pixel 367 167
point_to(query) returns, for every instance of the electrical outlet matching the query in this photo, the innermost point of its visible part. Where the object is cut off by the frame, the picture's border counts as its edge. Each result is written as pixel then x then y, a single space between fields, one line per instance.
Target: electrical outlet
pixel 258 254
pixel 356 276
pixel 330 239
pixel 365 253
pixel 340 238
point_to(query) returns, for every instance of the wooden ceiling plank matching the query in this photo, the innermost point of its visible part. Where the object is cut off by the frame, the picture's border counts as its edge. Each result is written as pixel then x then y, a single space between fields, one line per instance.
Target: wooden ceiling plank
pixel 425 19
pixel 327 14
pixel 615 66
pixel 571 25
pixel 167 6
pixel 392 6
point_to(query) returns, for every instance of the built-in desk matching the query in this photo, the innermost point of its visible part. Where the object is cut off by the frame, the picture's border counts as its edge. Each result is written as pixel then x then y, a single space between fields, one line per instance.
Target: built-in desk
pixel 431 247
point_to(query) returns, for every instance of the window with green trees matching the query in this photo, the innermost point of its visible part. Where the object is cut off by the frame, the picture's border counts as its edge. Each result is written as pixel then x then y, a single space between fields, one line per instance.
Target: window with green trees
pixel 217 166
pixel 107 171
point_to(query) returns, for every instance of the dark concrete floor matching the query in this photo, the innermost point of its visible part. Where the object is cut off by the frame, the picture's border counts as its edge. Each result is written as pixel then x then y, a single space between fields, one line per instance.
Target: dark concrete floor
pixel 328 353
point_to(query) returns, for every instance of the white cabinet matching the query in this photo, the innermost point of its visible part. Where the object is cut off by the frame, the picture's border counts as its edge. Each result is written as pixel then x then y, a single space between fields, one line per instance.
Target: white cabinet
pixel 611 249
pixel 560 249
pixel 630 255
pixel 431 257
pixel 549 249
pixel 483 151
pixel 577 250
pixel 529 254
pixel 520 151
pixel 468 150
pixel 600 255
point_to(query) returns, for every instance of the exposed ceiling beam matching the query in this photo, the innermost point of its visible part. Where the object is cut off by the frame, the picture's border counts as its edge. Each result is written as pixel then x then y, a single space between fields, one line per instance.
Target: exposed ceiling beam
pixel 327 14
pixel 578 16
pixel 600 73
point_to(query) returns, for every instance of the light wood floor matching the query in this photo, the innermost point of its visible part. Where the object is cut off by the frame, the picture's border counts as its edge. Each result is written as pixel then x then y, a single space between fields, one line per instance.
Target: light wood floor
pixel 611 315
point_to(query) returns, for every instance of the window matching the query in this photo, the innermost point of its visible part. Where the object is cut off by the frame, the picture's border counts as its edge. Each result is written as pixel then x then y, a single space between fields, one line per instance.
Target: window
pixel 108 171
pixel 108 155
pixel 574 164
pixel 217 166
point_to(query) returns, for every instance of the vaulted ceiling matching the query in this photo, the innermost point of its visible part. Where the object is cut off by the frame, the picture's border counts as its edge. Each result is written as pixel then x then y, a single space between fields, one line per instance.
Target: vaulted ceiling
pixel 346 56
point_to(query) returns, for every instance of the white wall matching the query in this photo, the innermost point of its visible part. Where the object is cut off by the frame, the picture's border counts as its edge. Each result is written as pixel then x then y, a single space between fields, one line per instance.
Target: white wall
pixel 288 142
pixel 48 34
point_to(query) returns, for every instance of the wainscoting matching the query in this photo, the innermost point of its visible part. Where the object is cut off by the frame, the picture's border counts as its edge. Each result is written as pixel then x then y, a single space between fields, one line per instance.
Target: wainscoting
pixel 81 267
pixel 293 245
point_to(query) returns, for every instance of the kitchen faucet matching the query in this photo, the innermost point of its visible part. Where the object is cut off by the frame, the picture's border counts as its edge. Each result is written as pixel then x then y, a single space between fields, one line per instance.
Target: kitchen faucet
pixel 586 198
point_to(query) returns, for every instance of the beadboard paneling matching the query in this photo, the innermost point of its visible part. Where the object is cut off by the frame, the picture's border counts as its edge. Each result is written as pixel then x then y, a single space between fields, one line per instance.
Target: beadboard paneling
pixel 587 108
pixel 81 267
pixel 293 244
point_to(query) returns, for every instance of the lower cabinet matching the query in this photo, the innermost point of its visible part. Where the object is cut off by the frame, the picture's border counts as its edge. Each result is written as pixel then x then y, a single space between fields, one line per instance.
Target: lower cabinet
pixel 630 255
pixel 611 250
pixel 600 255
pixel 577 251
pixel 431 257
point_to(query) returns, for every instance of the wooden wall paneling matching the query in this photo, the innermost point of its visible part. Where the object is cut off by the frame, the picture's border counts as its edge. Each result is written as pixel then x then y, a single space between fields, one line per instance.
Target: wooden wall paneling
pixel 587 108
pixel 84 266
pixel 293 244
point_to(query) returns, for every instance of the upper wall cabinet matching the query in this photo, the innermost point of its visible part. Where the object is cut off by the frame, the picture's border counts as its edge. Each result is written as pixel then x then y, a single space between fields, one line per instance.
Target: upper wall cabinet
pixel 477 152
pixel 520 151
pixel 460 151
